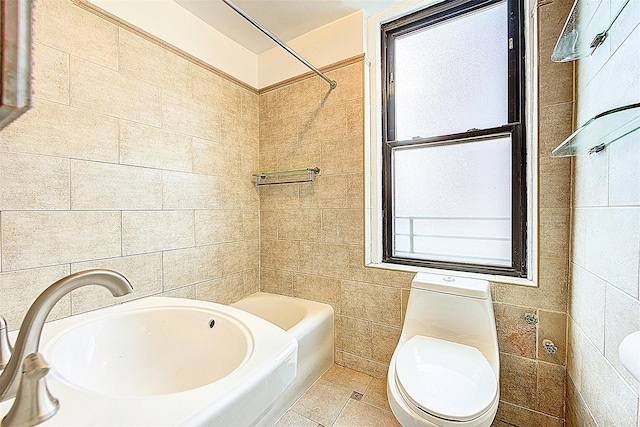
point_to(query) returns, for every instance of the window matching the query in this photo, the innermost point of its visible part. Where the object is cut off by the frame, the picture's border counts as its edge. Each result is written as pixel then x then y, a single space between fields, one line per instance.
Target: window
pixel 453 149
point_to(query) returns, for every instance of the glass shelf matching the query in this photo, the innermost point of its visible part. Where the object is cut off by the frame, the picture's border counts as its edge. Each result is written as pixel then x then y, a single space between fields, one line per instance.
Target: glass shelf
pixel 290 176
pixel 600 131
pixel 582 33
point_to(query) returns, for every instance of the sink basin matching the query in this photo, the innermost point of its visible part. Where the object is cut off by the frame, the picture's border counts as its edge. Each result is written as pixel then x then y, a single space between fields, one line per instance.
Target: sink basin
pixel 150 352
pixel 161 361
pixel 630 354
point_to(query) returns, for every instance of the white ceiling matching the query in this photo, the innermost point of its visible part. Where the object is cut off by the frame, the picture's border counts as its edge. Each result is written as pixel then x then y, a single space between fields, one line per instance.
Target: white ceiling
pixel 286 19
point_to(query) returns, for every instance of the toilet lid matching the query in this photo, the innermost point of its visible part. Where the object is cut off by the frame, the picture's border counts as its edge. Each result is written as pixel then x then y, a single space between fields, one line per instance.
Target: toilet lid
pixel 446 379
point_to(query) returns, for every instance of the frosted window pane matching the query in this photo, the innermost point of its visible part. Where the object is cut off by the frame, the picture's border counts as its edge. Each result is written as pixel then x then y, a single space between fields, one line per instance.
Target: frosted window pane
pixel 456 200
pixel 452 77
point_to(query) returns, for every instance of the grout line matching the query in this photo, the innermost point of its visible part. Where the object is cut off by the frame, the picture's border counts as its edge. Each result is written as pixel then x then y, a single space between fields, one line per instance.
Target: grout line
pixel 341 412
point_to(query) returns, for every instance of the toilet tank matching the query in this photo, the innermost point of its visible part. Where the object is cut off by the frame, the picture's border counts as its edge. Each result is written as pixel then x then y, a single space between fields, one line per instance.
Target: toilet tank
pixel 454 309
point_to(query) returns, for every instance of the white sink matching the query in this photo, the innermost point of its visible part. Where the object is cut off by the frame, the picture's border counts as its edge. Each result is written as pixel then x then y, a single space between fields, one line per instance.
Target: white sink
pixel 150 351
pixel 630 354
pixel 158 362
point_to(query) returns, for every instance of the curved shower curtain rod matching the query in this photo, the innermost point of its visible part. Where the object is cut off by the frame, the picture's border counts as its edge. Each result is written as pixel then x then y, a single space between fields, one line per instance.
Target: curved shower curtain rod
pixel 332 83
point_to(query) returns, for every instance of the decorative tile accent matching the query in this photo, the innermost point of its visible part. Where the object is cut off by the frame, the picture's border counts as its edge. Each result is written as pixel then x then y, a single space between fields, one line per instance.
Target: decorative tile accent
pixel 515 334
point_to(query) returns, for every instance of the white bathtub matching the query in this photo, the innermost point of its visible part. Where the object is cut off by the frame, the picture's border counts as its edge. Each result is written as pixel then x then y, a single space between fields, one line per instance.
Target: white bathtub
pixel 311 324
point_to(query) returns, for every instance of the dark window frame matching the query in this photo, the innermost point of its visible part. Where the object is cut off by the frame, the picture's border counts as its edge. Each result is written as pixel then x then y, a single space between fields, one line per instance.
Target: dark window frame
pixel 515 127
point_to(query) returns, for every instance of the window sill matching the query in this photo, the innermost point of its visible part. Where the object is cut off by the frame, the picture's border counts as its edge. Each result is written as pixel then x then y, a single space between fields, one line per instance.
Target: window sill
pixel 489 277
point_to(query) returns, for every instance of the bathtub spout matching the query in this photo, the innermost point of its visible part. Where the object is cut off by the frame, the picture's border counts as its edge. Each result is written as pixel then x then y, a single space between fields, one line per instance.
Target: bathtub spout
pixel 31 329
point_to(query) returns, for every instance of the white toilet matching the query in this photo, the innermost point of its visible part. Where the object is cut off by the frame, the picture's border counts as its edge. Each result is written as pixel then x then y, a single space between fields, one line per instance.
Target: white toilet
pixel 445 369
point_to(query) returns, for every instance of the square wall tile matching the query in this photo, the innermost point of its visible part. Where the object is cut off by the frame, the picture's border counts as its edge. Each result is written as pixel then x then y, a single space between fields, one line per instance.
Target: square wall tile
pixel 518 380
pixel 515 335
pixel 384 341
pixel 181 190
pixel 353 336
pixel 317 288
pixel 276 281
pixel 251 281
pixel 551 389
pixel 158 66
pixel 552 326
pixel 103 186
pixel 372 302
pixel 612 242
pixel 61 237
pixel 50 74
pixel 324 259
pixel 153 231
pixel 361 364
pixel 106 91
pixel 29 182
pixel 185 115
pixel 217 226
pixel 188 266
pixel 578 414
pixel 624 171
pixel 280 254
pixel 142 145
pixel 239 256
pixel 215 158
pixel 225 290
pixel 58 130
pixel 90 37
pixel 588 304
pixel 591 180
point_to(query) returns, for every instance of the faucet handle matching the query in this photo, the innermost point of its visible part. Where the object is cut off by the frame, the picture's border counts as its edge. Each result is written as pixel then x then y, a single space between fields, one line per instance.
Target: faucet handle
pixel 5 345
pixel 33 403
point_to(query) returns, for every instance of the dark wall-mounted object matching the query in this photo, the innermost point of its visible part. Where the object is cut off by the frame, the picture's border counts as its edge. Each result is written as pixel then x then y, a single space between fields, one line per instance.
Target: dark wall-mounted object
pixel 15 39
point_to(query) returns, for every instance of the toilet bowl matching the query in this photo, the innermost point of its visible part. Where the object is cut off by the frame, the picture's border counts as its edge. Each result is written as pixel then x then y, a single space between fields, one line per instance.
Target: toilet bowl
pixel 445 370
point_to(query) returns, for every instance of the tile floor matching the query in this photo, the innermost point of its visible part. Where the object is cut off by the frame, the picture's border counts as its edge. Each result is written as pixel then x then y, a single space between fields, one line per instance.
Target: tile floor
pixel 342 398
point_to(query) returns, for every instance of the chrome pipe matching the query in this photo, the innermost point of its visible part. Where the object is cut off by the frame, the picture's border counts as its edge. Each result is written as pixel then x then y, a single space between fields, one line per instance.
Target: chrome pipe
pixel 332 83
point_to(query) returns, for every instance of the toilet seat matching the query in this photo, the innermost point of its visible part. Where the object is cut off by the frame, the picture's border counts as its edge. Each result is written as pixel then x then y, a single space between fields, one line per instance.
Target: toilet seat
pixel 447 380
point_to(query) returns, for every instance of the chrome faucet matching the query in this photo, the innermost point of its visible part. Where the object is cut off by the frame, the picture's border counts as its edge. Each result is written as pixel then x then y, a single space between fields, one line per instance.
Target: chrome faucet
pixel 31 329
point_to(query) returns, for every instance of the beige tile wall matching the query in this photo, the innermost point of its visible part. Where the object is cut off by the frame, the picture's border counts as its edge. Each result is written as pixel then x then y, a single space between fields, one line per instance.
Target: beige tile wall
pixel 312 242
pixel 126 161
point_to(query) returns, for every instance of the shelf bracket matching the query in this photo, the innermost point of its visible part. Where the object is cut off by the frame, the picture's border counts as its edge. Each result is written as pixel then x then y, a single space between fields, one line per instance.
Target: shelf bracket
pixel 295 176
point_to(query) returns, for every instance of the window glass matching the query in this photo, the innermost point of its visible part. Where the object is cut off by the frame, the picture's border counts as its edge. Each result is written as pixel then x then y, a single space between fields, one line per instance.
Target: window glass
pixel 452 77
pixel 453 202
